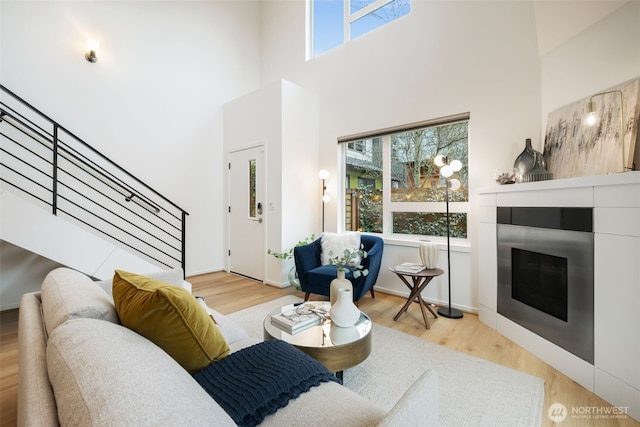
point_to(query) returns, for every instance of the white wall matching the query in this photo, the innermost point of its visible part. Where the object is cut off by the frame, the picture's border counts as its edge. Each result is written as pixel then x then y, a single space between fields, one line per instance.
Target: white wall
pixel 301 187
pixel 604 55
pixel 559 21
pixel 153 101
pixel 30 271
pixel 283 117
pixel 443 58
pixel 253 119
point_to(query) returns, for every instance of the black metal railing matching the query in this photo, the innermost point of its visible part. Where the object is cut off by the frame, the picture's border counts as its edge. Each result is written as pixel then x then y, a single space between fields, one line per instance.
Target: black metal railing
pixel 52 166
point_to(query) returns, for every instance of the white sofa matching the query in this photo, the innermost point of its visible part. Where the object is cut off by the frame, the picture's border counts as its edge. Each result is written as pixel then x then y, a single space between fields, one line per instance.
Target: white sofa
pixel 79 366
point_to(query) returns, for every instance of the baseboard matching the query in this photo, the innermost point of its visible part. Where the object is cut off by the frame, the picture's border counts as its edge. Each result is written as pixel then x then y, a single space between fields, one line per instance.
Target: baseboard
pixel 439 303
pixel 201 272
pixel 488 317
pixel 277 285
pixel 9 307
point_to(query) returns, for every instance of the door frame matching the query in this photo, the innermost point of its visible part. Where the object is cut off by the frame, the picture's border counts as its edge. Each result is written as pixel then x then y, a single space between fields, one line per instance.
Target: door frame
pixel 265 217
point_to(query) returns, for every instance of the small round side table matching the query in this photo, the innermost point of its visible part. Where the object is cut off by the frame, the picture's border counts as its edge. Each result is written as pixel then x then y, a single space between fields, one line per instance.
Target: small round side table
pixel 419 281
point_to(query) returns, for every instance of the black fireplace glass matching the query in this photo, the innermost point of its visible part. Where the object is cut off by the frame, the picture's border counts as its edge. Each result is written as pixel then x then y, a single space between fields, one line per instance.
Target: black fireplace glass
pixel 540 281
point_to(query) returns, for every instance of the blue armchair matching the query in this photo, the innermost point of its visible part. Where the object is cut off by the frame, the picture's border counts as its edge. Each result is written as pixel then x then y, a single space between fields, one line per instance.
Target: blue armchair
pixel 315 278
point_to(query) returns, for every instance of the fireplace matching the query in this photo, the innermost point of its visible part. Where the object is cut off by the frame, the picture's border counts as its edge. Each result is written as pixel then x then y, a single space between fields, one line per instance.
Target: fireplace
pixel 545 273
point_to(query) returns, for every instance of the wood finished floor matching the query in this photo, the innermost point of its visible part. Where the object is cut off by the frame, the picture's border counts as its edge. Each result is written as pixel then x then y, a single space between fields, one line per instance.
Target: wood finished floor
pixel 228 293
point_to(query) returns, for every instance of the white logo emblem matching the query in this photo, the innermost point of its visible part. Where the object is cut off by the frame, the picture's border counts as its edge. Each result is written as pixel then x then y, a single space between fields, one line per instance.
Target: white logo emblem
pixel 557 412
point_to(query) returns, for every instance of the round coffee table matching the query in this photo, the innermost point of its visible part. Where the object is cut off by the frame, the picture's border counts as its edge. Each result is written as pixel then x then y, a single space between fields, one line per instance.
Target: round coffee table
pixel 335 347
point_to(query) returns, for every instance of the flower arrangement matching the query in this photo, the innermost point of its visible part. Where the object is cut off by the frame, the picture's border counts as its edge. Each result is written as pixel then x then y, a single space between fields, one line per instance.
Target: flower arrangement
pixel 350 261
pixel 288 254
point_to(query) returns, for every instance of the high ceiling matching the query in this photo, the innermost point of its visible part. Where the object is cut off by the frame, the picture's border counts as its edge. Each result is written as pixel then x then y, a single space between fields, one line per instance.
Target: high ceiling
pixel 558 21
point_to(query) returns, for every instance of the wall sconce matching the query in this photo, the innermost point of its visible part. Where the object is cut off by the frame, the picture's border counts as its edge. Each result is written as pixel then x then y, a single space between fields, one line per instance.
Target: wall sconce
pixel 324 175
pixel 92 46
pixel 592 118
pixel 446 170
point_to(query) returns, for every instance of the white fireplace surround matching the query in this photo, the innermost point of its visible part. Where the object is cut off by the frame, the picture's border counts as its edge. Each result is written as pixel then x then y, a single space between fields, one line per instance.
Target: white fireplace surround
pixel 615 374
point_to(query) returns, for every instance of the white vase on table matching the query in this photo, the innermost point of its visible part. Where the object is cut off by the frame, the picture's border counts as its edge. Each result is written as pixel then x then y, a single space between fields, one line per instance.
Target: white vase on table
pixel 344 312
pixel 341 336
pixel 429 254
pixel 339 282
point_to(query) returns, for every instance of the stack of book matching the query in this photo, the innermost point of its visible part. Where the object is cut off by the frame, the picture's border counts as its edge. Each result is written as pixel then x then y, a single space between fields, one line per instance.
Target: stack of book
pixel 290 321
pixel 409 267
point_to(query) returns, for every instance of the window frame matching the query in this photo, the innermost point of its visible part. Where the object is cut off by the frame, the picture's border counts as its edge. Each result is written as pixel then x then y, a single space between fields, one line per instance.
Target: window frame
pixel 389 206
pixel 348 19
pixel 358 146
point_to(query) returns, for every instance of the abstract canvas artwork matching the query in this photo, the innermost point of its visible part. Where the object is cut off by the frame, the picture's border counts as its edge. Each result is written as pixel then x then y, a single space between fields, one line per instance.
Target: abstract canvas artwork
pixel 573 148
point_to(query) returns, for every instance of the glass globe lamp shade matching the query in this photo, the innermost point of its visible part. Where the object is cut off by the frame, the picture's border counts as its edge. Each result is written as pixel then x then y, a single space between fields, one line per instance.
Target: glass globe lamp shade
pixel 446 171
pixel 454 184
pixel 456 165
pixel 439 160
pixel 323 174
pixel 326 198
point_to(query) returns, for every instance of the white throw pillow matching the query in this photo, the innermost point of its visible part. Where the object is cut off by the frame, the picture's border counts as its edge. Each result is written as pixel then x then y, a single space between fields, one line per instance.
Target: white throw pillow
pixel 337 243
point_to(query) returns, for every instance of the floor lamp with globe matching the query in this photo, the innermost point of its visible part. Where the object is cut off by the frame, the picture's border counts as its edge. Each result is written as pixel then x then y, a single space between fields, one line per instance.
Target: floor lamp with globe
pixel 446 170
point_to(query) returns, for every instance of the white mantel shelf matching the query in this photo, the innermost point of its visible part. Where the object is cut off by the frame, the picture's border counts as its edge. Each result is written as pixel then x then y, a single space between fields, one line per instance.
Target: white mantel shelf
pixel 615 198
pixel 554 184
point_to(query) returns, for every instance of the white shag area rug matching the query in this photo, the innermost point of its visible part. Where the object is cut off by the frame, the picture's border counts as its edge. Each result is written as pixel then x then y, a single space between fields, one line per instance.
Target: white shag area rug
pixel 472 391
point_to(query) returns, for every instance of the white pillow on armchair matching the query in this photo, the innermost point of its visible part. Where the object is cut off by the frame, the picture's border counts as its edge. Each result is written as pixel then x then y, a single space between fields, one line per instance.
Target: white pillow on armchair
pixel 337 243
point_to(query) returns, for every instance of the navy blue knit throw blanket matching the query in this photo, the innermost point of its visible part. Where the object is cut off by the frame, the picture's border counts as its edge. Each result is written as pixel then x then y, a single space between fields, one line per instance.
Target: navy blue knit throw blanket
pixel 258 380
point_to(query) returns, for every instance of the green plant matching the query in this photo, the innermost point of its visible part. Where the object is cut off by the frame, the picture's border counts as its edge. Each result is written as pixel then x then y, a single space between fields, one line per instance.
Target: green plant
pixel 370 209
pixel 288 254
pixel 350 261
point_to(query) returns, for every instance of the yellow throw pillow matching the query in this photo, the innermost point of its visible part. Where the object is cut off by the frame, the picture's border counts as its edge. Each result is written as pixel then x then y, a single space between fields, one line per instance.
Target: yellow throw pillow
pixel 170 317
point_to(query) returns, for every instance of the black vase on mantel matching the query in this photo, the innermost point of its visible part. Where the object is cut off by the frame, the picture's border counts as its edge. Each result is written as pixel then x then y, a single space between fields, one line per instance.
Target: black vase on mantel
pixel 530 165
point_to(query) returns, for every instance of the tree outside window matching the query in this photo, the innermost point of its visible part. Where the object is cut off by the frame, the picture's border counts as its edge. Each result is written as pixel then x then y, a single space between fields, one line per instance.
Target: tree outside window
pixel 415 203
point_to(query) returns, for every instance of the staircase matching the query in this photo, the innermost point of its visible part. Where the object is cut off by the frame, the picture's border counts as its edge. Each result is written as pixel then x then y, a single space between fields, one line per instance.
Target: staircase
pixel 65 201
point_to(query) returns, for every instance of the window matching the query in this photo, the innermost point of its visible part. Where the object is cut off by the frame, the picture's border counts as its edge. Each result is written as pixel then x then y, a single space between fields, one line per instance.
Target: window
pixel 401 161
pixel 357 146
pixel 252 188
pixel 333 22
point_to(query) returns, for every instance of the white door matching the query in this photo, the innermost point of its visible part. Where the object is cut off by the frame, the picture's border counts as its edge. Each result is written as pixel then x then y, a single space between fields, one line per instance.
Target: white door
pixel 246 204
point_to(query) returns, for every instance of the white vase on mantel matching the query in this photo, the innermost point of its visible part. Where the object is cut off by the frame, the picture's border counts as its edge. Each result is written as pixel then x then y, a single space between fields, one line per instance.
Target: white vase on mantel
pixel 344 312
pixel 339 282
pixel 429 254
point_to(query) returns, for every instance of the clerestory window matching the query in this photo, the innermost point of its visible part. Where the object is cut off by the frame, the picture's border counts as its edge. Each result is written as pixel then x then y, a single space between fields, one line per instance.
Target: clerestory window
pixel 393 185
pixel 334 22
